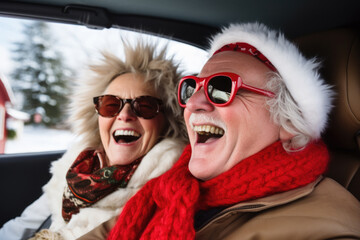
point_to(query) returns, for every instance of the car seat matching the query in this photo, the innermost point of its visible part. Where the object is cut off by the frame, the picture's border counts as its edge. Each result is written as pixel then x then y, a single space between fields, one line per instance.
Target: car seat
pixel 339 52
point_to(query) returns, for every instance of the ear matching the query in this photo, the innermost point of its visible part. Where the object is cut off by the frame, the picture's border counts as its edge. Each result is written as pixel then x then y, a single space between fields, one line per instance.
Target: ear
pixel 285 136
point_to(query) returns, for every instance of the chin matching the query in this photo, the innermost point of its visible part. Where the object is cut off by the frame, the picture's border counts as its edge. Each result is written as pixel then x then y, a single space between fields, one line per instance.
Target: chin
pixel 199 173
pixel 121 161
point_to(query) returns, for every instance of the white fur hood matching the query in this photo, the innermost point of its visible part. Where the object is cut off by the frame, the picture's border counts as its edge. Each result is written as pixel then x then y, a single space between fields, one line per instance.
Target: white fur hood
pixel 300 75
pixel 157 161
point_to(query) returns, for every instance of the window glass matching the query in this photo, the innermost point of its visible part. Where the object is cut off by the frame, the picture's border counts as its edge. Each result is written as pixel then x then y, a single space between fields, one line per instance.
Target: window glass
pixel 36 60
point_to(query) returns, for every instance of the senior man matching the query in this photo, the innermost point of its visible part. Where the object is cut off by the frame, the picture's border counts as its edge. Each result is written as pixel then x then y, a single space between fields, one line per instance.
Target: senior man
pixel 253 169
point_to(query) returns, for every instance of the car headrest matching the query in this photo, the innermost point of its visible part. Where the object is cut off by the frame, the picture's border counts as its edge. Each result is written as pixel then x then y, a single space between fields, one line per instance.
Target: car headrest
pixel 339 52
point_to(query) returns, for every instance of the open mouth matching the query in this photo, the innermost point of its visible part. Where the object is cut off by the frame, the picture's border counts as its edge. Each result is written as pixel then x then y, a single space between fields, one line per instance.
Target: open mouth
pixel 208 133
pixel 126 136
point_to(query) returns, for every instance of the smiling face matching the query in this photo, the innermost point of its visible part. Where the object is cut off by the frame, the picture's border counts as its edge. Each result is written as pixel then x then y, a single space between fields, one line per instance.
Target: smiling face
pixel 221 137
pixel 127 137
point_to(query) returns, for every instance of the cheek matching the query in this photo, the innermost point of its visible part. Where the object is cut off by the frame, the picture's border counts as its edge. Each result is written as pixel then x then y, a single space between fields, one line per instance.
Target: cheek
pixel 188 127
pixel 153 128
pixel 253 127
pixel 104 128
pixel 187 114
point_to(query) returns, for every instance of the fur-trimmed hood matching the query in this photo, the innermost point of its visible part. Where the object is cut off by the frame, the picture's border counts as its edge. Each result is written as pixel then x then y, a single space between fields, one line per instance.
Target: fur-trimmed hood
pixel 157 161
pixel 300 75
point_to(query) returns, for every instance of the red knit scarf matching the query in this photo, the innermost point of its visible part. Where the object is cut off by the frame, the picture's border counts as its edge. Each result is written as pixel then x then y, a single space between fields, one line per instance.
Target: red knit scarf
pixel 165 207
pixel 87 182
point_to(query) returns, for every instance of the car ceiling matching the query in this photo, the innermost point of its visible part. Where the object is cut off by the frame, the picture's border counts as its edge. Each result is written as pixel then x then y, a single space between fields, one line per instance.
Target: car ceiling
pixel 192 21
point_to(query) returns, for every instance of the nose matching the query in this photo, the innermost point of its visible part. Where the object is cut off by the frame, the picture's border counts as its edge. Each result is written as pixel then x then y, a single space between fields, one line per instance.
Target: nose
pixel 198 102
pixel 126 114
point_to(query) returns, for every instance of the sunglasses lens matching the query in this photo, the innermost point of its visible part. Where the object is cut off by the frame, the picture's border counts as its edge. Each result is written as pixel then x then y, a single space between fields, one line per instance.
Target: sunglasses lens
pixel 219 89
pixel 108 106
pixel 187 89
pixel 146 107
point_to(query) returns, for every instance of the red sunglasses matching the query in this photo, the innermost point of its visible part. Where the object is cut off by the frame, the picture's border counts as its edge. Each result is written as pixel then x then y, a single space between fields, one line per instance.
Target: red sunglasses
pixel 146 107
pixel 220 88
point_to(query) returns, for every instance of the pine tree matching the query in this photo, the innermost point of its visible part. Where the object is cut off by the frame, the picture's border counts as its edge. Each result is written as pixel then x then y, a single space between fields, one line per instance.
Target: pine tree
pixel 41 75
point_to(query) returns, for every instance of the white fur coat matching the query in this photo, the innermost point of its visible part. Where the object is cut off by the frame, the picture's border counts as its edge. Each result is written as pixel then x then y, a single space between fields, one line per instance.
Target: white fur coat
pixel 158 160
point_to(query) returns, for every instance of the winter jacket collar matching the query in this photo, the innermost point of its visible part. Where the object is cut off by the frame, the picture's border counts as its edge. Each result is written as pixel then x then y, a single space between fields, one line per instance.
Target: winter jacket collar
pixel 321 210
pixel 261 204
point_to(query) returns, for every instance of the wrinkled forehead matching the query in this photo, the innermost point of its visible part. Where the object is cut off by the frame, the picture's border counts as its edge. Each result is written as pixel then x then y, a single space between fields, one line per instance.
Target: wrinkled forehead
pixel 130 85
pixel 235 62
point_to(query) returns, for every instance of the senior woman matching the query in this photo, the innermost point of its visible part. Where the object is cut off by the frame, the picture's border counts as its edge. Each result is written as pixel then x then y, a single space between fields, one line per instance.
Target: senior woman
pixel 130 130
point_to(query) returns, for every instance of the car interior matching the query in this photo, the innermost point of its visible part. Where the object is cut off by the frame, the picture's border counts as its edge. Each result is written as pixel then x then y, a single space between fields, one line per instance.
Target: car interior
pixel 329 30
pixel 340 68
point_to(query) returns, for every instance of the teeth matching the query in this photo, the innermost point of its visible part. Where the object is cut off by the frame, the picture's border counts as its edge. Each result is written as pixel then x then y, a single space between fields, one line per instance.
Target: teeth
pixel 208 129
pixel 126 133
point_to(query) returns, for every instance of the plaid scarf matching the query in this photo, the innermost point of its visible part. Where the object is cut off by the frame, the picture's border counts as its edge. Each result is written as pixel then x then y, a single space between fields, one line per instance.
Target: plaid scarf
pixel 87 182
pixel 165 207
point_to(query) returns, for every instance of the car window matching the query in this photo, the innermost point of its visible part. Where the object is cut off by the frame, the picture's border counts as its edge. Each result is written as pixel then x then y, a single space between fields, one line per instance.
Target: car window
pixel 38 61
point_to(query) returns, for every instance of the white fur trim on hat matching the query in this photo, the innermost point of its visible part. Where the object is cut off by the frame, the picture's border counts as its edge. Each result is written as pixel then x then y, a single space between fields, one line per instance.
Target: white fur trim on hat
pixel 300 75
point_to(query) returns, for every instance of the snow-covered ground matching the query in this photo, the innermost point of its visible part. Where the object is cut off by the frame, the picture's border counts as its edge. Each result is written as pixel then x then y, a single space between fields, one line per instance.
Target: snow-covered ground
pixel 38 139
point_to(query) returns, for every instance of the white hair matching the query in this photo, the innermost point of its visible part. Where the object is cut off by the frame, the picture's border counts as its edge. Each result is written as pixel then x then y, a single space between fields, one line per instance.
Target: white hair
pixel 285 112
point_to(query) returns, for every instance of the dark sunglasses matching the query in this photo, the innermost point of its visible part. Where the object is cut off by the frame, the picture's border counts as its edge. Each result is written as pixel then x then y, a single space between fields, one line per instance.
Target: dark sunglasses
pixel 220 88
pixel 146 107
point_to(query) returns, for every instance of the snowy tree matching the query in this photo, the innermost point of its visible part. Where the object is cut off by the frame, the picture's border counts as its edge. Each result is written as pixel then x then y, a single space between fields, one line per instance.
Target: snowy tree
pixel 41 75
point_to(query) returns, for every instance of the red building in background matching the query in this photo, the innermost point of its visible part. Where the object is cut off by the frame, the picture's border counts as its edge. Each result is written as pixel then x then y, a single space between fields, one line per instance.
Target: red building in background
pixel 7 100
pixel 6 97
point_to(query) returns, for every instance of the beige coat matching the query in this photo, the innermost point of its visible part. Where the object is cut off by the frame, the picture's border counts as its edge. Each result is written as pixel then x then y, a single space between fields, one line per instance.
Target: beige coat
pixel 320 210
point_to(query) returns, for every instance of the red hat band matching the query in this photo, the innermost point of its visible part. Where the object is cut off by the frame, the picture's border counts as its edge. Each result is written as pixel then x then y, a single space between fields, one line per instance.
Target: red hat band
pixel 248 49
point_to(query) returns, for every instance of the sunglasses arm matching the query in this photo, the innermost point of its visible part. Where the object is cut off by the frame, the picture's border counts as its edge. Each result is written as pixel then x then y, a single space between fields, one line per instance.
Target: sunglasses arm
pixel 256 90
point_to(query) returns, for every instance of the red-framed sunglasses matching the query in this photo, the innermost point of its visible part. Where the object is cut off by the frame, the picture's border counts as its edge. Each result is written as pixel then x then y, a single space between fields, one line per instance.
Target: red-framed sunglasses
pixel 220 88
pixel 146 107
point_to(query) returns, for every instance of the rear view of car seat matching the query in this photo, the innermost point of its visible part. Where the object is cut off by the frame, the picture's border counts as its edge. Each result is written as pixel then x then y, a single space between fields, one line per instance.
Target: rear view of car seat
pixel 339 52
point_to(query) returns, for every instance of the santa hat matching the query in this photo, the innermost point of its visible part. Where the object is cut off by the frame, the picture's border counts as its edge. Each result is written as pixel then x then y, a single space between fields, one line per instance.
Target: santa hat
pixel 300 75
